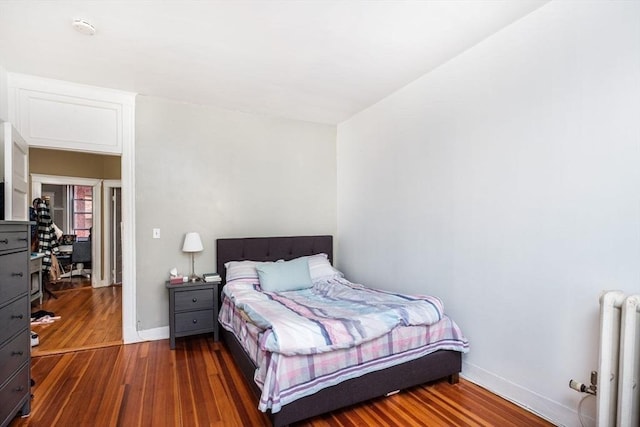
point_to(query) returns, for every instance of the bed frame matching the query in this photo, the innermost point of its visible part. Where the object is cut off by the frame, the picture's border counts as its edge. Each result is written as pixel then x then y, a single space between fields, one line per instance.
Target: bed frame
pixel 434 366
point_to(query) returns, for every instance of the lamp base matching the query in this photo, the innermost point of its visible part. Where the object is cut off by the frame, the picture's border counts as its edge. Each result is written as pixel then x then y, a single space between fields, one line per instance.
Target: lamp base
pixel 193 277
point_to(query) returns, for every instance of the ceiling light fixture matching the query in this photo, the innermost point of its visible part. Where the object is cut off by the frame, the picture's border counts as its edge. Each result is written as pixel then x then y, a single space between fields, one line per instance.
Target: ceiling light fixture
pixel 83 27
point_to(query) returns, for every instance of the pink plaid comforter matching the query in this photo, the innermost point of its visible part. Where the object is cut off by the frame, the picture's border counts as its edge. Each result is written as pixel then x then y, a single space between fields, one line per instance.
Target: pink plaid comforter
pixel 284 378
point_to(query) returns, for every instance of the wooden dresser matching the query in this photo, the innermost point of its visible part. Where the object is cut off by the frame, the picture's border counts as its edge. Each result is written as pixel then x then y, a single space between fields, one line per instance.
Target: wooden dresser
pixel 15 312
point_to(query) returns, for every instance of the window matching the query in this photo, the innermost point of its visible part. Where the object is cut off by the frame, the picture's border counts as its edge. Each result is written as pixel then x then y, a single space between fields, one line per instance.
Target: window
pixel 81 210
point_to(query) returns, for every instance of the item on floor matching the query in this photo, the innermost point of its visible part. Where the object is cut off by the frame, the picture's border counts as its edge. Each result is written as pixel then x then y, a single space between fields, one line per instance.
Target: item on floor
pixel 41 313
pixel 45 320
pixel 34 339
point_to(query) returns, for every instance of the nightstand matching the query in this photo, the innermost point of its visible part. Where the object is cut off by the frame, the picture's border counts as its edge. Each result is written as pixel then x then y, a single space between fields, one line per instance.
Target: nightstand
pixel 193 309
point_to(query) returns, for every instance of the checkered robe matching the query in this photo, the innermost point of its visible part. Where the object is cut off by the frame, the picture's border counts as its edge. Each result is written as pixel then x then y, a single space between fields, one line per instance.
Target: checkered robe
pixel 47 242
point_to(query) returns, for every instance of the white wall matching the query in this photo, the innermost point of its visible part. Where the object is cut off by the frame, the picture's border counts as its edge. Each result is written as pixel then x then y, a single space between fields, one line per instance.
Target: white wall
pixel 507 182
pixel 4 100
pixel 223 174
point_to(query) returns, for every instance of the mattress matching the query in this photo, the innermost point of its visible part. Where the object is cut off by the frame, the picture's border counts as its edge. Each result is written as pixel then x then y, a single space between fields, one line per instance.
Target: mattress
pixel 284 378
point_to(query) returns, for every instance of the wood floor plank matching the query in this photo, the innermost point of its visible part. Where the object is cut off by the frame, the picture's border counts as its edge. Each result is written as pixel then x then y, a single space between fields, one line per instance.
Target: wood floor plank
pixel 463 414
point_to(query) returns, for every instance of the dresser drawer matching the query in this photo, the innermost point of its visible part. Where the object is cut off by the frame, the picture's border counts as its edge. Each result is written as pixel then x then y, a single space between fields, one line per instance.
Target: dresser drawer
pixel 194 299
pixel 14 269
pixel 13 240
pixel 12 394
pixel 14 353
pixel 14 317
pixel 194 321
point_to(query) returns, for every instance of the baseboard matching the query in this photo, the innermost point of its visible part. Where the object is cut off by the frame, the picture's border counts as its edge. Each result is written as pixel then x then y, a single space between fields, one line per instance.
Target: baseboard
pixel 100 284
pixel 550 410
pixel 154 334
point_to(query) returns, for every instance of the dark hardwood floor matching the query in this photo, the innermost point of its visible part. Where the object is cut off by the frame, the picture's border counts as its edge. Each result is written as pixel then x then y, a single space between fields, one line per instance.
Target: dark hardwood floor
pixel 198 384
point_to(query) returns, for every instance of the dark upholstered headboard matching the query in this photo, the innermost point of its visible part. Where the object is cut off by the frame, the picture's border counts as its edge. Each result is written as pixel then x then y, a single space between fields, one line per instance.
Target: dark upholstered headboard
pixel 270 249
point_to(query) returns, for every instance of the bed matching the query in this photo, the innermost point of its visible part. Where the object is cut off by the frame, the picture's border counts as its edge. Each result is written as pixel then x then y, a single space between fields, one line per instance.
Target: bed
pixel 343 390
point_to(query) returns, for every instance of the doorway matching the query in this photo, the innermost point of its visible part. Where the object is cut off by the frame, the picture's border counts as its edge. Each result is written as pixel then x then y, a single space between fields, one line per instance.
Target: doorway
pixel 84 208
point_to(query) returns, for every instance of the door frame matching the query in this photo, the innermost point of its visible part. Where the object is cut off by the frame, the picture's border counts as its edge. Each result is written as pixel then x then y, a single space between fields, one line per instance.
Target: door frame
pixel 96 238
pixel 107 186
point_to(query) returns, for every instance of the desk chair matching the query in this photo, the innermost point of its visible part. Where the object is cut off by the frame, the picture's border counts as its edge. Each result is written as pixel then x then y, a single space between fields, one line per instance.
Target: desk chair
pixel 80 258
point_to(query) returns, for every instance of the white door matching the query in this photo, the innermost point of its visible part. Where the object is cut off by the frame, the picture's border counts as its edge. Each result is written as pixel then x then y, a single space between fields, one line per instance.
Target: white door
pixel 16 173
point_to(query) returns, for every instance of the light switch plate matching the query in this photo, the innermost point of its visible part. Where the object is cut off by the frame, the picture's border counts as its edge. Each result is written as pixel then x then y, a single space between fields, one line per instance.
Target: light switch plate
pixel 156 233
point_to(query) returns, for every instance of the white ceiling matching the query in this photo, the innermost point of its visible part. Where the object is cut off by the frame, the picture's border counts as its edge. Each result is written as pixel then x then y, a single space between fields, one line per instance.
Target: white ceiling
pixel 319 61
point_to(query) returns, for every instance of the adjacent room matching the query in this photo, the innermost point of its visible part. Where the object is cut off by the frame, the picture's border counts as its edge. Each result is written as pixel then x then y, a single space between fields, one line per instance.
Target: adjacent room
pixel 81 190
pixel 467 170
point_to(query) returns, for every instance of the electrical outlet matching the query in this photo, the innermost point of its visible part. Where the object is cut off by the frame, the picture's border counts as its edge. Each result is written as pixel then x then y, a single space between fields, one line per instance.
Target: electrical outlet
pixel 156 233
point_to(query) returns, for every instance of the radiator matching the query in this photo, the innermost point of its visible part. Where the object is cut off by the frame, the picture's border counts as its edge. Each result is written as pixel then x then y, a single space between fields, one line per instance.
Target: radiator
pixel 618 397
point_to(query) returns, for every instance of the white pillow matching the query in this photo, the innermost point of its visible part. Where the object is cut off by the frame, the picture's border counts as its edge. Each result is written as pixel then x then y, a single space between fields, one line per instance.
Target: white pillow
pixel 321 268
pixel 244 270
pixel 241 270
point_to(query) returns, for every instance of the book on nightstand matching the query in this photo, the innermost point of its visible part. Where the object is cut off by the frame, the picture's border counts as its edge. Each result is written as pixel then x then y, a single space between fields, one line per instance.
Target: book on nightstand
pixel 211 278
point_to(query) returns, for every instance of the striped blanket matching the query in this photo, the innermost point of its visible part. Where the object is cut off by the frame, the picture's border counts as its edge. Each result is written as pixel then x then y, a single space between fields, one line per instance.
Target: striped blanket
pixel 330 315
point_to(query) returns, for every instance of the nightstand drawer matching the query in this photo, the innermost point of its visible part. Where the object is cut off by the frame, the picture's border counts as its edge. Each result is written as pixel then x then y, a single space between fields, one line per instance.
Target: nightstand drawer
pixel 195 299
pixel 14 270
pixel 13 392
pixel 14 353
pixel 194 321
pixel 14 317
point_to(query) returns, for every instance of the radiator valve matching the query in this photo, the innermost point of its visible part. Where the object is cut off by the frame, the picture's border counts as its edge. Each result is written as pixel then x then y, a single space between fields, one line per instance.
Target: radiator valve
pixel 583 388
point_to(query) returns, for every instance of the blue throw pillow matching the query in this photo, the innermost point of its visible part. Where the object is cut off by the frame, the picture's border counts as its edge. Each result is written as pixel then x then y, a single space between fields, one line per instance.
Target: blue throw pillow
pixel 284 276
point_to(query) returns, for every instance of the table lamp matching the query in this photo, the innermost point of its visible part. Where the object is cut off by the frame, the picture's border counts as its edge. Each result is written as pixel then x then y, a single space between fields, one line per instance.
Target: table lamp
pixel 192 244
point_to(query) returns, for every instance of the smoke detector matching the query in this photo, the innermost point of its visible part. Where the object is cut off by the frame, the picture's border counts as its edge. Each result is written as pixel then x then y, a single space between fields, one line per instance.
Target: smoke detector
pixel 83 27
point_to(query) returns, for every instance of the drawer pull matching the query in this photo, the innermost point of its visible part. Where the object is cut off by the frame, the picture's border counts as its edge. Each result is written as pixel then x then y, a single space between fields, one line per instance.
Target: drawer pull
pixel 17 274
pixel 195 300
pixel 17 353
pixel 19 388
pixel 17 316
pixel 22 239
pixel 5 241
pixel 195 321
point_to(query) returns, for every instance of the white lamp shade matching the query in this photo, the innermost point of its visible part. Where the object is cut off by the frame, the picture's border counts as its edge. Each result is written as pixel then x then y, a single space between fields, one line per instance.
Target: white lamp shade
pixel 192 243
